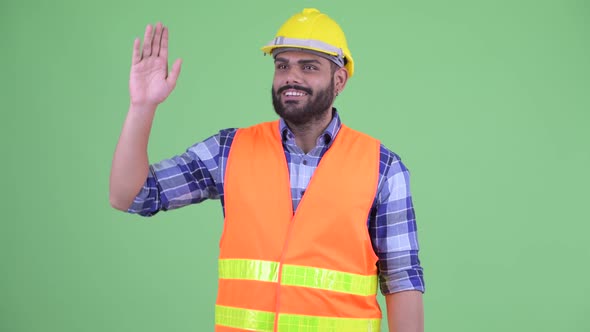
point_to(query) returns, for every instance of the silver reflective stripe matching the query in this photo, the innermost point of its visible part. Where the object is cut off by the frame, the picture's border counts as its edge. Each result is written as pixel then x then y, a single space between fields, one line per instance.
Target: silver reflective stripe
pixel 307 43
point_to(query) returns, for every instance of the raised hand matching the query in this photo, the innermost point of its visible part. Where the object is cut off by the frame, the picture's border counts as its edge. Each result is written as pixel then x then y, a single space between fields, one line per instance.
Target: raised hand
pixel 149 81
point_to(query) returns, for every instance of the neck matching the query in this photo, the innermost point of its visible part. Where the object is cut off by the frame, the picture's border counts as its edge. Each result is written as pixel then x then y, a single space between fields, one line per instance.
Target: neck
pixel 306 135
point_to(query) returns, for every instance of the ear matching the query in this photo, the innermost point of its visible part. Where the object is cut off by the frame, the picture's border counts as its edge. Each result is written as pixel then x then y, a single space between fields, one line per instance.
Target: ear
pixel 340 79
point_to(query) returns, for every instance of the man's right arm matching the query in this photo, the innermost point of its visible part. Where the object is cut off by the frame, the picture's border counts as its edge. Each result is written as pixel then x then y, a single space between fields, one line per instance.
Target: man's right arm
pixel 130 162
pixel 149 85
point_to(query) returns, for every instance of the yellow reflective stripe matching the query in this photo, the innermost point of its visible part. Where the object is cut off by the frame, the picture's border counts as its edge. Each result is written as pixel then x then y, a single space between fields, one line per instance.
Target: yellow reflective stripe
pixel 248 269
pixel 300 323
pixel 336 281
pixel 263 321
pixel 252 320
pixel 302 276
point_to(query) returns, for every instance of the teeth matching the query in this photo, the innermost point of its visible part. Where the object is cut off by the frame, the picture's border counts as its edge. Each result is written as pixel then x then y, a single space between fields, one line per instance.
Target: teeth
pixel 292 93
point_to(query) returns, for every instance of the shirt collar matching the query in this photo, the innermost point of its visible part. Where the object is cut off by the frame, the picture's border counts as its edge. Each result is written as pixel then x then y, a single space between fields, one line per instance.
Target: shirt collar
pixel 325 138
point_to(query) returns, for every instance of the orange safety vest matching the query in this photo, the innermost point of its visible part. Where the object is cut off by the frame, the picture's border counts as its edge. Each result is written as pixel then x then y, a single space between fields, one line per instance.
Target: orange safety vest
pixel 314 270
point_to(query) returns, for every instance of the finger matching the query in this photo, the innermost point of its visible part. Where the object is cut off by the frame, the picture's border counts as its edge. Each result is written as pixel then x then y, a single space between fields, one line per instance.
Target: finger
pixel 173 76
pixel 147 41
pixel 164 44
pixel 156 40
pixel 136 56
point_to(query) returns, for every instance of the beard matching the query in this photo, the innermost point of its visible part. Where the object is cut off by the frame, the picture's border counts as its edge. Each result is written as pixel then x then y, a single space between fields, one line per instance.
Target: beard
pixel 300 113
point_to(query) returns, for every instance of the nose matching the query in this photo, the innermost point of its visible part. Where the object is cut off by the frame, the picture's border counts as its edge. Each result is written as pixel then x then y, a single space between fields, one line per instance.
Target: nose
pixel 293 76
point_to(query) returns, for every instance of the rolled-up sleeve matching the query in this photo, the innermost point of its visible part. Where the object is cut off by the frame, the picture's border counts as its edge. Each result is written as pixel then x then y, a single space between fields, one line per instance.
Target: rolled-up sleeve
pixel 185 179
pixel 392 226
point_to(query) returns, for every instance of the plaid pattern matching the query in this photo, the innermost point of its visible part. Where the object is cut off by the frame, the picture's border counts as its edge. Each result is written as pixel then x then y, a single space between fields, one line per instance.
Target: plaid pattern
pixel 198 174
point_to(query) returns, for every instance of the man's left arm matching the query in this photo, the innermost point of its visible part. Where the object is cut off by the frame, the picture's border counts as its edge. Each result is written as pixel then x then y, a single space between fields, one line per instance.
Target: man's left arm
pixel 393 231
pixel 405 311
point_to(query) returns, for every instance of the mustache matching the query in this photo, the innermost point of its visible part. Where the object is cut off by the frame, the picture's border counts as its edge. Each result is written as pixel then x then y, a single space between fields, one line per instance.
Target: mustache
pixel 294 87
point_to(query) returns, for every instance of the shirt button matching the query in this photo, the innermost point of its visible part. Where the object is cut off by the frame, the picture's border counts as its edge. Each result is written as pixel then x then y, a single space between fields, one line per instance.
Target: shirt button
pixel 304 162
pixel 302 192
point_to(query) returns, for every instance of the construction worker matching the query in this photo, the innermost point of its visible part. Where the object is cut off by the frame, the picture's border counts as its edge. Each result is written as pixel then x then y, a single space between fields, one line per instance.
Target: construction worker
pixel 316 214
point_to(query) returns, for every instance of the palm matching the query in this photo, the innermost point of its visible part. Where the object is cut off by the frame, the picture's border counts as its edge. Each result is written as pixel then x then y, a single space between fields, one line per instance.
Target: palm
pixel 149 81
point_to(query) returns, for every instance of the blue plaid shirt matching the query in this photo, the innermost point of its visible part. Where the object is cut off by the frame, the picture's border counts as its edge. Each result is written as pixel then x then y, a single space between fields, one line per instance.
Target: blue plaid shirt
pixel 198 174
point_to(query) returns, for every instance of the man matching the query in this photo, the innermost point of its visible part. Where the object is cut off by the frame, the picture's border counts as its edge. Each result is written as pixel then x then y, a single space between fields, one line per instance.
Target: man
pixel 298 252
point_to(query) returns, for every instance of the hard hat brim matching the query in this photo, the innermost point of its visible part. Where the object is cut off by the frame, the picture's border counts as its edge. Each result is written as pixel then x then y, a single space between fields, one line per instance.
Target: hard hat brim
pixel 268 49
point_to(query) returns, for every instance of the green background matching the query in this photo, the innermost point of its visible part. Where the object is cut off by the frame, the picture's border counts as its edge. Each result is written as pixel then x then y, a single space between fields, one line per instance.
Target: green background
pixel 487 103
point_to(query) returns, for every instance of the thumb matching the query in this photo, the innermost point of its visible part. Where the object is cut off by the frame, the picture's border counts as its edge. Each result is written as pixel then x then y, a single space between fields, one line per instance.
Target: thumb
pixel 173 76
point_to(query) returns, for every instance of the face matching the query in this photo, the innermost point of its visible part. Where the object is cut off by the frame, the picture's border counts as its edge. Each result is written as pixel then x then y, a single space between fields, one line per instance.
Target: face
pixel 303 88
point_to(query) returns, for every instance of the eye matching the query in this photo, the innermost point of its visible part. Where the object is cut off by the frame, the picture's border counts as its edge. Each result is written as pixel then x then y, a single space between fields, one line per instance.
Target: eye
pixel 309 67
pixel 281 66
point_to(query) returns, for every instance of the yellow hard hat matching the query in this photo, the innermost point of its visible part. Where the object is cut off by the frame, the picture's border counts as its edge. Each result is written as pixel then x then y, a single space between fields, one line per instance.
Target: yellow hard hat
pixel 312 30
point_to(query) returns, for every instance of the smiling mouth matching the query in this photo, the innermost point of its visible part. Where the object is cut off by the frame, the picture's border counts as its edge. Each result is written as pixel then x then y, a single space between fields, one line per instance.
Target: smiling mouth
pixel 294 93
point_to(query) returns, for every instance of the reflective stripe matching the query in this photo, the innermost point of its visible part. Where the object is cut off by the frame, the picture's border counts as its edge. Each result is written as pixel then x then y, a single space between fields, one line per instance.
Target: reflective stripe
pixel 239 318
pixel 307 43
pixel 302 276
pixel 263 321
pixel 329 280
pixel 299 323
pixel 248 269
